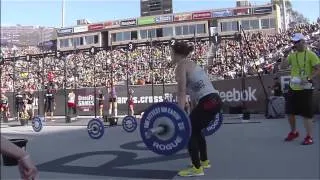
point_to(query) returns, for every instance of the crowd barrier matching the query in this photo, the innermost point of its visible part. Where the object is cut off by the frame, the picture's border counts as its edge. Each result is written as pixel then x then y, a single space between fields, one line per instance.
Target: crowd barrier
pixel 229 90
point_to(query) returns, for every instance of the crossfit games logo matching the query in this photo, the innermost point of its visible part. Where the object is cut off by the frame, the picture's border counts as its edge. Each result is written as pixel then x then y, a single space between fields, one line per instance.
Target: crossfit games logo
pixel 85 103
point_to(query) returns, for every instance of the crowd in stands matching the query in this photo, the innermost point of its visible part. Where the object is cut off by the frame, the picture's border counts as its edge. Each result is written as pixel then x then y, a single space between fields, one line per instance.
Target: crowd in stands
pixel 260 52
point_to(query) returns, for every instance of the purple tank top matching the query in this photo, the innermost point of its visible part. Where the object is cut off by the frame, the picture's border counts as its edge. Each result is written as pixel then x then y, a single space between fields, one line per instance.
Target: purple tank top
pixel 113 92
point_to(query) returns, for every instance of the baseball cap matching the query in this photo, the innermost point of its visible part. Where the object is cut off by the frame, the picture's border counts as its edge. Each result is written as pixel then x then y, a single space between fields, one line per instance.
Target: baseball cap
pixel 298 37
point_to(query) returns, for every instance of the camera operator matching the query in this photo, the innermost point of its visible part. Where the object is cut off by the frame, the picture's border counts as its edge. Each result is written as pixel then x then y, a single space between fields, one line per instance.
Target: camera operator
pixel 304 67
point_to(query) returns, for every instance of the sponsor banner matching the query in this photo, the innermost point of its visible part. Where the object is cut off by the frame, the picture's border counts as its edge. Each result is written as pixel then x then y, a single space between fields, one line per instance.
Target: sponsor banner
pixel 222 13
pixel 201 15
pixel 64 31
pixel 111 24
pixel 241 11
pixel 163 19
pixel 95 27
pixel 182 17
pixel 262 10
pixel 85 100
pixel 146 20
pixel 230 91
pixel 79 29
pixel 128 22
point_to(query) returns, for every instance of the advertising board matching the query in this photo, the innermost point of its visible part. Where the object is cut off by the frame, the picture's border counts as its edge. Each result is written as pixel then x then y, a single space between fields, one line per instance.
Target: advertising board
pixel 163 19
pixel 79 29
pixel 64 31
pixel 95 27
pixel 262 10
pixel 222 13
pixel 146 20
pixel 201 15
pixel 182 17
pixel 128 22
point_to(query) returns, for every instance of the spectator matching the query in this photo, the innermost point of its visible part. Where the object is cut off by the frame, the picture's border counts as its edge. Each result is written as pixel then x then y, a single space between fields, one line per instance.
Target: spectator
pixel 266 50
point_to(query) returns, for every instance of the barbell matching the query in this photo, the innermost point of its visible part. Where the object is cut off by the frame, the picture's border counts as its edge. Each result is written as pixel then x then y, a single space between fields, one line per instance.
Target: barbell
pixel 95 126
pixel 165 128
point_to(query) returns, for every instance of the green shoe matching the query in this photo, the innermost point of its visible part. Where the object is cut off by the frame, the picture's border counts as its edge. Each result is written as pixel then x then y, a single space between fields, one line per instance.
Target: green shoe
pixel 205 164
pixel 193 171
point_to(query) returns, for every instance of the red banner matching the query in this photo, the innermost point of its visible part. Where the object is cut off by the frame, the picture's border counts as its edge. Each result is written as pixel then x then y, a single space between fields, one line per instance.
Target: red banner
pixel 201 15
pixel 95 27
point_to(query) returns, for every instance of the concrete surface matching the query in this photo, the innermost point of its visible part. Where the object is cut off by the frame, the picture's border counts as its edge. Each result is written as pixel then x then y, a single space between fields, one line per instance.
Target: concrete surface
pixel 237 151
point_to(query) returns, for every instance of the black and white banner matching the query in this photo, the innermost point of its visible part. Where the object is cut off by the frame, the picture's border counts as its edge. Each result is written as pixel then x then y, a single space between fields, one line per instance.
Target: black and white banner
pixel 230 91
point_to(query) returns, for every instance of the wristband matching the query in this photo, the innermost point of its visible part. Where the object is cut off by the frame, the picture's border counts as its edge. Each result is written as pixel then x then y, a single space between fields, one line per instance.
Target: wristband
pixel 24 158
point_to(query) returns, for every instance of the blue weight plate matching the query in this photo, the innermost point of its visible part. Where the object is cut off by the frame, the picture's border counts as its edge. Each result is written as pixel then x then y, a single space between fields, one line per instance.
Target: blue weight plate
pixel 37 124
pixel 95 128
pixel 189 125
pixel 169 114
pixel 214 125
pixel 129 124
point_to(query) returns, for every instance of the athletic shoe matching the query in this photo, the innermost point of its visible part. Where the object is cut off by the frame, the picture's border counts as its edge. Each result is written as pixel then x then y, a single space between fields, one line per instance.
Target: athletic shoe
pixel 307 141
pixel 190 172
pixel 205 164
pixel 292 135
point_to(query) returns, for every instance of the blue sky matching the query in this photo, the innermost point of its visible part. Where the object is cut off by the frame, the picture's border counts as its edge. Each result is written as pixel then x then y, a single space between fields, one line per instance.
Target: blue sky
pixel 48 12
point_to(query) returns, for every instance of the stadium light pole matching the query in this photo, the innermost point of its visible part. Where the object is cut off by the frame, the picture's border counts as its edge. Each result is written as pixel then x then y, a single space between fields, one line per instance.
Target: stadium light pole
pixel 111 79
pixel 63 12
pixel 284 15
pixel 95 88
pixel 245 113
pixel 43 71
pixel 151 65
pixel 163 69
pixel 14 79
pixel 65 83
pixel 38 89
pixel 195 40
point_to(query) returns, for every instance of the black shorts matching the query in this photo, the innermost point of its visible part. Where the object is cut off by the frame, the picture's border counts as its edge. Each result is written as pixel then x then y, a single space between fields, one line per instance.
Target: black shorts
pixel 112 99
pixel 20 107
pixel 205 112
pixel 300 103
pixel 49 106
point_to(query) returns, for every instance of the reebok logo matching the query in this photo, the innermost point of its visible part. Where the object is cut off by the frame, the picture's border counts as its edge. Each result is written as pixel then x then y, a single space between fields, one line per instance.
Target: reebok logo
pixel 236 96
